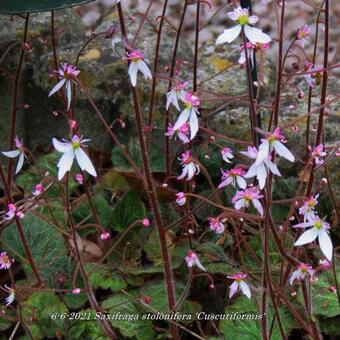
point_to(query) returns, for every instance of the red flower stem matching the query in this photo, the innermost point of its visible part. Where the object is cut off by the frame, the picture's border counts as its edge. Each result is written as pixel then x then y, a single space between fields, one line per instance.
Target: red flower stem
pixel 280 68
pixel 109 130
pixel 92 298
pixel 197 32
pixel 155 63
pixel 150 186
pixel 20 231
pixel 252 108
pixel 323 95
pixel 15 102
pixel 167 116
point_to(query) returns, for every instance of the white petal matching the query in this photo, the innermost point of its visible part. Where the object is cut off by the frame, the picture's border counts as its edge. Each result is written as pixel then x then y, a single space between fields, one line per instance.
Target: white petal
pixel 261 175
pixel 191 171
pixel 20 162
pixel 240 204
pixel 133 69
pixel 272 167
pixel 60 146
pixel 85 162
pixel 229 35
pixel 255 35
pixel 263 152
pixel 252 171
pixel 293 277
pixel 193 124
pixel 183 117
pixel 65 163
pixel 253 19
pixel 325 243
pixel 233 289
pixel 68 93
pixel 144 69
pixel 258 206
pixel 11 154
pixel 57 87
pixel 199 265
pixel 241 182
pixel 307 237
pixel 245 289
pixel 225 183
pixel 283 151
pixel 303 225
pixel 184 172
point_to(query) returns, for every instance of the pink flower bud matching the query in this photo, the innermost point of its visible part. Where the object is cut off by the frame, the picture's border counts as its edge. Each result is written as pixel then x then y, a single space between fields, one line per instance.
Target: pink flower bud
pixel 105 236
pixel 20 214
pixel 332 289
pixel 79 178
pixel 76 291
pixel 146 222
pixel 301 95
pixel 73 124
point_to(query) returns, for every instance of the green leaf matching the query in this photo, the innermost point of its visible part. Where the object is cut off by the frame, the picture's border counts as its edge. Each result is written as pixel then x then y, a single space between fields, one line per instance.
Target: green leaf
pixel 133 325
pixel 89 329
pixel 245 321
pixel 153 246
pixel 104 278
pixel 44 304
pixel 156 154
pixel 45 164
pixel 22 6
pixel 45 242
pixel 325 303
pixel 104 211
pixel 75 301
pixel 157 292
pixel 128 209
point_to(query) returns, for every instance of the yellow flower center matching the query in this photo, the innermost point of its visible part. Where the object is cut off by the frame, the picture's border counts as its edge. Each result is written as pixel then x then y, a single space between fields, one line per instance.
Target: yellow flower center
pixel 135 59
pixel 247 198
pixel 76 145
pixel 318 224
pixel 243 19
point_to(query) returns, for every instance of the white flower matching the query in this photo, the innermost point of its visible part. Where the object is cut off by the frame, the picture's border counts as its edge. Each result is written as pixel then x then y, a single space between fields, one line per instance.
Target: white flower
pixel 243 198
pixel 15 153
pixel 190 169
pixel 227 154
pixel 181 198
pixel 190 113
pixel 307 209
pixel 11 296
pixel 177 92
pixel 239 283
pixel 273 141
pixel 182 133
pixel 260 170
pixel 254 35
pixel 301 272
pixel 71 150
pixel 192 260
pixel 137 63
pixel 216 225
pixel 67 73
pixel 233 176
pixel 320 231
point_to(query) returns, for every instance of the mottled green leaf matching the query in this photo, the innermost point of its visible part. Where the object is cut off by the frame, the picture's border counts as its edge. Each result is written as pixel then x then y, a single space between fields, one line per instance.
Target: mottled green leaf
pixel 128 209
pixel 134 325
pixel 44 304
pixel 45 242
